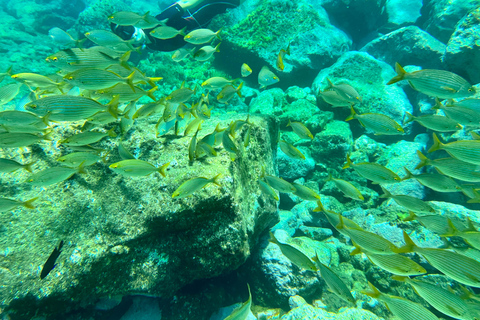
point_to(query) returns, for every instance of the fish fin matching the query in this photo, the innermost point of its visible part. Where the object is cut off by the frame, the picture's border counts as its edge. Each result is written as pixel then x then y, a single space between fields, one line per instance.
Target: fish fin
pixel 357 249
pixel 129 80
pixel 349 162
pixel 400 278
pixel 373 292
pixel 437 145
pixel 410 217
pixel 238 89
pixel 112 106
pixel 470 226
pixel 150 93
pixel 352 115
pixel 423 160
pixel 475 136
pixel 111 132
pixel 28 204
pixel 400 74
pixel 409 119
pixel 81 167
pixel 145 16
pixel 273 239
pixel 408 247
pixel 437 105
pixel 216 180
pixel 341 224
pixel 28 166
pixel 386 193
pixel 217 34
pixel 408 174
pixel 124 60
pixel 162 169
pixel 451 230
pixel 330 85
pixel 449 89
pixel 79 43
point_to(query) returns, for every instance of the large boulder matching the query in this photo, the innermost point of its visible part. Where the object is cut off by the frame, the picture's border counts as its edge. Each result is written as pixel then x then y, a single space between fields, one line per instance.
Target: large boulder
pixel 441 16
pixel 127 234
pixel 402 12
pixel 369 76
pixel 407 46
pixel 463 49
pixel 259 36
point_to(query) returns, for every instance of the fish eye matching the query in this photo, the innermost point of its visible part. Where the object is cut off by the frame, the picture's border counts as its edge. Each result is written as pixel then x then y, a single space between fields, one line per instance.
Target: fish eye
pixel 33 106
pixel 471 90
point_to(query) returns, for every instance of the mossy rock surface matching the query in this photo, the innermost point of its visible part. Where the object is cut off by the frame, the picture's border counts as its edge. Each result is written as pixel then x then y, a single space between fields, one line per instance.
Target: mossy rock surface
pixel 126 235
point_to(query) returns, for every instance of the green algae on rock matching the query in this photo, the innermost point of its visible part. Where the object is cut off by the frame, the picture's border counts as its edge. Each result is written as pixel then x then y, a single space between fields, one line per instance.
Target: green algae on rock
pixel 131 230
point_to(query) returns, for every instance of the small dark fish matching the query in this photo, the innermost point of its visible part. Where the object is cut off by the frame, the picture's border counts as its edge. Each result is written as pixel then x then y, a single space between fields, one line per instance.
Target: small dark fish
pixel 50 263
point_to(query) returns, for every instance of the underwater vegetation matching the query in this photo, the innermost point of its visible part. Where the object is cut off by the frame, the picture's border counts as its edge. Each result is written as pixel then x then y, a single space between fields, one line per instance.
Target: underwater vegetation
pixel 291 160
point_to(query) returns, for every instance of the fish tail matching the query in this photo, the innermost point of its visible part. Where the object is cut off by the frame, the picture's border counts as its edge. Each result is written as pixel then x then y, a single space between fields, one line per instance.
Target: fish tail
pixel 438 104
pixel 357 249
pixel 409 119
pixel 151 81
pixel 124 59
pixel 349 162
pixel 216 180
pixel 412 216
pixel 273 239
pixel 400 278
pixel 475 136
pixel 352 114
pixel 320 207
pixel 28 204
pixel 423 160
pixel 386 193
pixel 451 230
pixel 217 47
pixel 81 168
pixel 111 132
pixel 150 93
pixel 341 224
pixel 217 34
pixel 129 80
pixel 408 174
pixel 45 118
pixel 400 74
pixel 329 178
pixel 112 106
pixel 238 89
pixel 145 16
pixel 437 145
pixel 48 136
pixel 330 84
pixel 79 43
pixel 289 124
pixel 182 31
pixel 373 292
pixel 408 247
pixel 163 169
pixel 287 51
pixel 28 166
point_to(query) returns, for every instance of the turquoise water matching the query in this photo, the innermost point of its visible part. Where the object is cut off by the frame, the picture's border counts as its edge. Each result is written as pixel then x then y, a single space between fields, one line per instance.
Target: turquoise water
pixel 273 160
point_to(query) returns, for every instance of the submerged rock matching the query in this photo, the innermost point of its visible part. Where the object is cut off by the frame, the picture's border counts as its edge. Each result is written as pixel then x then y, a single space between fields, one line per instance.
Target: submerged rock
pixel 407 46
pixel 314 42
pixel 369 77
pixel 443 15
pixel 126 235
pixel 402 12
pixel 462 54
pixel 301 310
